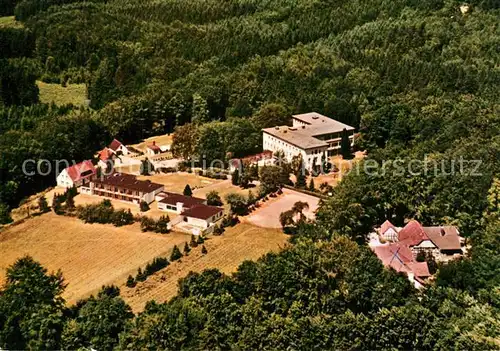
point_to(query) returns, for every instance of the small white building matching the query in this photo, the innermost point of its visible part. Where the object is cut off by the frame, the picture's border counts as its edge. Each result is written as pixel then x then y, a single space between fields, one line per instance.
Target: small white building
pixel 80 174
pixel 194 211
pixel 153 149
pixel 311 135
pixel 118 148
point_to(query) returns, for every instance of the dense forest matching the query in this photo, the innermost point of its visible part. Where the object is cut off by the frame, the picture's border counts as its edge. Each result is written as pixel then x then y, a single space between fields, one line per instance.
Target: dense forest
pixel 418 79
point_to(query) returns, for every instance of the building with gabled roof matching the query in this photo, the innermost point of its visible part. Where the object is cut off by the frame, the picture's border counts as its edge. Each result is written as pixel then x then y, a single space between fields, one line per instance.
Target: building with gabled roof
pixel 388 231
pixel 400 257
pixel 123 187
pixel 76 175
pixel 153 149
pixel 117 147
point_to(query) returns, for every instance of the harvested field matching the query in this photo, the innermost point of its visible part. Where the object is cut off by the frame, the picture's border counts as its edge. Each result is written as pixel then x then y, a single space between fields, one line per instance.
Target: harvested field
pixel 226 252
pixel 267 215
pixel 89 255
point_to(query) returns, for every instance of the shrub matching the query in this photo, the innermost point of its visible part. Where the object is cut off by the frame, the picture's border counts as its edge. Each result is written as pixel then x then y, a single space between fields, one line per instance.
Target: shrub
pixel 96 213
pixel 218 230
pixel 122 217
pixel 130 282
pixel 176 254
pixel 213 198
pixel 148 224
pixel 162 224
pixel 43 206
pixel 144 206
pixel 200 240
pixel 204 250
pixel 140 277
pixel 157 264
pixel 186 248
pixel 193 242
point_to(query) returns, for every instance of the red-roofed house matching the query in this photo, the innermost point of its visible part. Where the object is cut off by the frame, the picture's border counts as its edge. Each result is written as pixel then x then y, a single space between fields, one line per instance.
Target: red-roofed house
pixel 400 257
pixel 153 149
pixel 80 174
pixel 193 210
pixel 107 158
pixel 388 231
pixel 439 241
pixel 118 147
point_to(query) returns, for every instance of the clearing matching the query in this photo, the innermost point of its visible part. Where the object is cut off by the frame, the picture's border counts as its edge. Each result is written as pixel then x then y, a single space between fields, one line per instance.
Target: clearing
pixel 226 252
pixel 89 255
pixel 268 214
pixel 160 140
pixel 75 94
pixel 10 21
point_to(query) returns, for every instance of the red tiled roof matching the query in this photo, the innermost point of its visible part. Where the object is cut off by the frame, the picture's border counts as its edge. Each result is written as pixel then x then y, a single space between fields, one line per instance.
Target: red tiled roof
pixel 81 170
pixel 400 257
pixel 129 182
pixel 412 234
pixel 154 147
pixel 264 155
pixel 115 144
pixel 105 154
pixel 202 211
pixel 386 226
pixel 187 201
pixel 445 238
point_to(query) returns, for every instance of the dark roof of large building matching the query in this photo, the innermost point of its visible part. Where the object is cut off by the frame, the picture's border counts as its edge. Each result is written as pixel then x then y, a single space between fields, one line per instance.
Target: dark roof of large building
pixel 202 211
pixel 187 201
pixel 130 182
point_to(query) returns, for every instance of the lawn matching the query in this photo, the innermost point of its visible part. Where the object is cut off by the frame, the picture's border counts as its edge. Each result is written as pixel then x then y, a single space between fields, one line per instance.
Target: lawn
pixel 226 253
pixel 160 140
pixel 89 255
pixel 10 21
pixel 75 94
pixel 175 182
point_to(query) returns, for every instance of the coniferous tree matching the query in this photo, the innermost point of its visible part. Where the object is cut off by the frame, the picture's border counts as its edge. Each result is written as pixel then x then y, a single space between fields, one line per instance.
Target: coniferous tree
pixel 311 185
pixel 235 177
pixel 186 249
pixel 43 206
pixel 204 250
pixel 130 282
pixel 176 254
pixel 345 145
pixel 193 242
pixel 187 190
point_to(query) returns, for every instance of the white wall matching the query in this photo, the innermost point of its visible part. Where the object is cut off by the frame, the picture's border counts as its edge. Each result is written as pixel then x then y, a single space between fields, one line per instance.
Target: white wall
pixel 63 179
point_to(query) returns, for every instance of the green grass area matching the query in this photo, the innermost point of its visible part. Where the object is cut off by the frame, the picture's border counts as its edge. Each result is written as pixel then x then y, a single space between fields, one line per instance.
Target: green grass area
pixel 10 21
pixel 71 94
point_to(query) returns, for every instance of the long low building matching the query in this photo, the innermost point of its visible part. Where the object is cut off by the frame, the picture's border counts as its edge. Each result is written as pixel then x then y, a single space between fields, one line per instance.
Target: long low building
pixel 311 135
pixel 124 187
pixel 194 211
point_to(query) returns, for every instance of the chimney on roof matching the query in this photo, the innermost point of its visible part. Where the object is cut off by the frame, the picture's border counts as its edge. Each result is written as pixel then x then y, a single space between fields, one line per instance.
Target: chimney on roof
pixel 443 233
pixel 154 142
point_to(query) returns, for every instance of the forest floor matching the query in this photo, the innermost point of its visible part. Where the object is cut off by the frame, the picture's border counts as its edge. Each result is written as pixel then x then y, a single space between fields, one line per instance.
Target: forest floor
pixel 75 94
pixel 226 252
pixel 89 255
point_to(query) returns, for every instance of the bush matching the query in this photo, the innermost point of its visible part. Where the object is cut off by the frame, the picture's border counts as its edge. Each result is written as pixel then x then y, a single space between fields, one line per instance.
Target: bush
pixel 218 230
pixel 200 240
pixel 96 213
pixel 162 225
pixel 204 250
pixel 122 217
pixel 148 224
pixel 141 276
pixel 193 242
pixel 213 198
pixel 186 249
pixel 176 254
pixel 144 206
pixel 43 206
pixel 130 282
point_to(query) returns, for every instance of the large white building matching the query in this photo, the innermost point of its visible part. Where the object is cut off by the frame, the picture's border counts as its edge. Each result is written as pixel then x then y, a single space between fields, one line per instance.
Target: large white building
pixel 311 135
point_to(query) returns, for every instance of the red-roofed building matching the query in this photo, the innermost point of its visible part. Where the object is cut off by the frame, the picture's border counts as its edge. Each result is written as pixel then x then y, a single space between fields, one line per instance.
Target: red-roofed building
pixel 153 149
pixel 260 159
pixel 400 257
pixel 193 210
pixel 107 158
pixel 80 174
pixel 438 240
pixel 388 231
pixel 118 148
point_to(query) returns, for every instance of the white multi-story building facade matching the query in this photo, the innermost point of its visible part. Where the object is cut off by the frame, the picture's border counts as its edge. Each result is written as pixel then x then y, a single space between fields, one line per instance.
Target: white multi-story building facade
pixel 310 135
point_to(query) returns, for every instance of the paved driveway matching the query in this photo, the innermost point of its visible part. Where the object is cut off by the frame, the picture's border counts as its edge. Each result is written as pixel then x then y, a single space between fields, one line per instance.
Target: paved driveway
pixel 268 215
